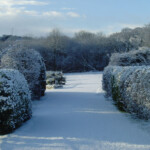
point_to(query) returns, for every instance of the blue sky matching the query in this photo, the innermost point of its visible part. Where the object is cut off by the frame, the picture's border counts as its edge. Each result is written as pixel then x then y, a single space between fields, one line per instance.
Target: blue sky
pixel 39 17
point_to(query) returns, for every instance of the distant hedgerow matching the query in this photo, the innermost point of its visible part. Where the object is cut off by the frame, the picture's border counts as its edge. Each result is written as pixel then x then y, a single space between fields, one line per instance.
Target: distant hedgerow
pixel 132 58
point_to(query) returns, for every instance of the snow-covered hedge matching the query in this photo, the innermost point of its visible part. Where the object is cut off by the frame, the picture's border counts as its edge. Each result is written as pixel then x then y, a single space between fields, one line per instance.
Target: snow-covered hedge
pixel 129 87
pixel 133 58
pixel 30 64
pixel 15 100
pixel 42 77
pixel 54 79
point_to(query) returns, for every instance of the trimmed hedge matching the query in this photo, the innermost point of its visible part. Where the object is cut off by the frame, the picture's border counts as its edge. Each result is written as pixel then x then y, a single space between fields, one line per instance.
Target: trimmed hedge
pixel 15 100
pixel 129 87
pixel 31 65
pixel 42 77
pixel 133 58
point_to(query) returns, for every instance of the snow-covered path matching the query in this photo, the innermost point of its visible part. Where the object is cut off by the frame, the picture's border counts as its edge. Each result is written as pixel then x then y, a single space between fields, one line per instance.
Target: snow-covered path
pixel 78 117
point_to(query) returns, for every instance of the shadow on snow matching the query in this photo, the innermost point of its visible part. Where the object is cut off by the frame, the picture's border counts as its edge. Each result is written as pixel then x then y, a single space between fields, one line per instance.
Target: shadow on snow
pixel 75 120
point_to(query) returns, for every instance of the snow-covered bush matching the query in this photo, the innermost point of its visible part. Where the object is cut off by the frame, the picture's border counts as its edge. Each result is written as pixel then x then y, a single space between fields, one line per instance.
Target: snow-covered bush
pixel 30 64
pixel 15 100
pixel 129 87
pixel 133 58
pixel 54 79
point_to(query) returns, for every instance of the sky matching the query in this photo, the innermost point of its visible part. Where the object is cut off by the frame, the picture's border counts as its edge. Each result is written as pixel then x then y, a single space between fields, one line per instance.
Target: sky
pixel 39 17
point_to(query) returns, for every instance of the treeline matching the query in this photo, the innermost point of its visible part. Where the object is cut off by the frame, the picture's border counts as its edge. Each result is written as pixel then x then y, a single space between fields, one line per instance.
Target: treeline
pixel 85 51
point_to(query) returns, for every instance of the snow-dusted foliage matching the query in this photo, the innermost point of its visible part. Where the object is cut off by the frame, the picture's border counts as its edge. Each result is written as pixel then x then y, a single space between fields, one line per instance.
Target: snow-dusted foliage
pixel 107 85
pixel 30 64
pixel 42 77
pixel 54 79
pixel 133 58
pixel 15 100
pixel 129 87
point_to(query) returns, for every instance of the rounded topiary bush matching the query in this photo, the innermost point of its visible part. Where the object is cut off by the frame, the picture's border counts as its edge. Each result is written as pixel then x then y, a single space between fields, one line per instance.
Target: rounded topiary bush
pixel 15 100
pixel 30 63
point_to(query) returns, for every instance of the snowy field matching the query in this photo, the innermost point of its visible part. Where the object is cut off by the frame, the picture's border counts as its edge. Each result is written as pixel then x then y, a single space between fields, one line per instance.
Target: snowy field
pixel 78 117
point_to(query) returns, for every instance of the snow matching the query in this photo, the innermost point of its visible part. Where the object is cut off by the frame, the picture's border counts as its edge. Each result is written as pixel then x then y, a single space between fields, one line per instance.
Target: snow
pixel 78 117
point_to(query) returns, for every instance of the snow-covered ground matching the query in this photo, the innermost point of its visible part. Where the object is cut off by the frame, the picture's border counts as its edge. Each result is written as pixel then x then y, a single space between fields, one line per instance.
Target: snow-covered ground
pixel 78 117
